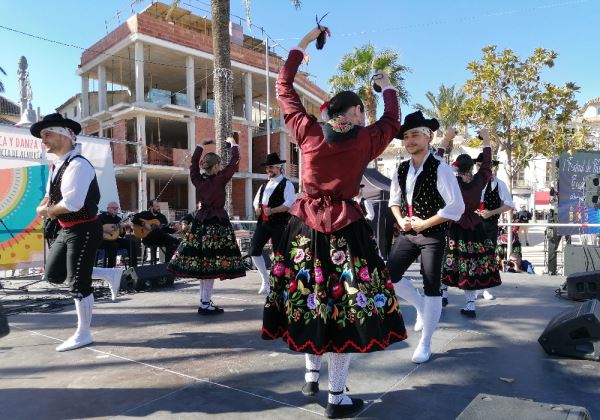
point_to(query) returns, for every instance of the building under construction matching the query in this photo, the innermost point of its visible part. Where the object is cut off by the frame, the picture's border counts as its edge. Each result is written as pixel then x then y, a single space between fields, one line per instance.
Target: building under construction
pixel 149 84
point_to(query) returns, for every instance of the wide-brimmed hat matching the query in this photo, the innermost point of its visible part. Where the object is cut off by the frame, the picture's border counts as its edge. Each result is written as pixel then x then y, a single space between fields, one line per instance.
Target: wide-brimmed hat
pixel 480 159
pixel 463 163
pixel 272 159
pixel 416 120
pixel 54 120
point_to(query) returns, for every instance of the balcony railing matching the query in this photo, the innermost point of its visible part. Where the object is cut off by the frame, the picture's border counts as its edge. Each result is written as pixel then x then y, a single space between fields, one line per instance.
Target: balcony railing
pixel 155 155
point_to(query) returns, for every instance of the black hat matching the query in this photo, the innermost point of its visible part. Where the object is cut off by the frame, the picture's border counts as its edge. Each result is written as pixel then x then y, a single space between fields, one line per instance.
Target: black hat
pixel 480 159
pixel 272 159
pixel 464 163
pixel 54 120
pixel 415 120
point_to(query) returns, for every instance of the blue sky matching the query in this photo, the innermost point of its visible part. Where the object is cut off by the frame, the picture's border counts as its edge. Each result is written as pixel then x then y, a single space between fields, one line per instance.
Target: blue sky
pixel 435 38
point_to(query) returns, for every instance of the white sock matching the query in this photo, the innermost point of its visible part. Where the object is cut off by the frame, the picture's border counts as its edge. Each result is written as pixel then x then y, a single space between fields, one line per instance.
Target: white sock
pixel 206 293
pixel 470 296
pixel 405 289
pixel 259 262
pixel 83 307
pixel 444 291
pixel 337 371
pixel 313 362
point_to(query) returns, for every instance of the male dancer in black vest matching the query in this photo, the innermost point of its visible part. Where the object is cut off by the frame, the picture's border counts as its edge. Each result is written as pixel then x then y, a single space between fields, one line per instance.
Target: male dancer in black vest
pixel 424 195
pixel 271 205
pixel 72 197
pixel 495 200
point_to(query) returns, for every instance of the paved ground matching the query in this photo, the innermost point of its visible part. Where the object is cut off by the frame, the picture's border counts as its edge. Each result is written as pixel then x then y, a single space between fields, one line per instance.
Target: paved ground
pixel 154 357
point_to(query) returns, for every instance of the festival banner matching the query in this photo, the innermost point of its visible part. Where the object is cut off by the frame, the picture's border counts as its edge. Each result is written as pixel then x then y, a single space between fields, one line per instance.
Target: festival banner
pixel 23 178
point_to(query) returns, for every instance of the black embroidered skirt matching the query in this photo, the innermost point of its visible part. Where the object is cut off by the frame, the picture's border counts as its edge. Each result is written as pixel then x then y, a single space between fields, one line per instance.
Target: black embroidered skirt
pixel 470 260
pixel 331 293
pixel 208 250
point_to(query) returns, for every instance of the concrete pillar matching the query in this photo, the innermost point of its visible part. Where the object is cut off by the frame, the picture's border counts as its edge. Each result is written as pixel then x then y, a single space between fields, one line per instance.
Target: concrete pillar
pixel 248 96
pixel 250 144
pixel 139 72
pixel 102 100
pixel 141 152
pixel 85 96
pixel 191 131
pixel 248 199
pixel 190 81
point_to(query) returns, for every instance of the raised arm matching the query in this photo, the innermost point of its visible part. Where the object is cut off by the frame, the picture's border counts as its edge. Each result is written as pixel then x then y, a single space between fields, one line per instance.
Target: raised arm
pixel 296 118
pixel 484 174
pixel 383 131
pixel 446 141
pixel 234 161
pixel 195 164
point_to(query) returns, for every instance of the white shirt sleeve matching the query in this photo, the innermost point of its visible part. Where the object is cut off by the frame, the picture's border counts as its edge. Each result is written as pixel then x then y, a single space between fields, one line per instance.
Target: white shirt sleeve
pixel 504 194
pixel 75 184
pixel 256 198
pixel 289 194
pixel 370 211
pixel 450 192
pixel 394 190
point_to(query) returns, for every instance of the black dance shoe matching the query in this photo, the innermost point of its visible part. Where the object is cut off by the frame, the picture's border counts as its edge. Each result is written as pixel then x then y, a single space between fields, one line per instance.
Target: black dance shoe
pixel 310 389
pixel 211 310
pixel 468 313
pixel 338 411
pixel 444 302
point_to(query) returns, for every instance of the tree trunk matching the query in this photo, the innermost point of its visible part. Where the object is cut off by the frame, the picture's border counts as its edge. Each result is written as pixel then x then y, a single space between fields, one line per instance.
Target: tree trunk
pixel 223 83
pixel 370 106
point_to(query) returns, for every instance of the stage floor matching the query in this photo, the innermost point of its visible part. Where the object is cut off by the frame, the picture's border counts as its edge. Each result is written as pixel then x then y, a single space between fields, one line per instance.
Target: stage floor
pixel 155 357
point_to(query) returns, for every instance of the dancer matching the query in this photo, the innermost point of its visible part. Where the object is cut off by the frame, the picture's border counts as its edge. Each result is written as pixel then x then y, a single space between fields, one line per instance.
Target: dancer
pixel 470 261
pixel 424 196
pixel 495 200
pixel 208 249
pixel 272 203
pixel 72 196
pixel 330 290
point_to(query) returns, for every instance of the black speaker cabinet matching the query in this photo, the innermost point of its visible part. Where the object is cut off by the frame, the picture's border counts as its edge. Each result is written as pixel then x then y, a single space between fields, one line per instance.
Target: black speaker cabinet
pixel 4 329
pixel 574 333
pixel 146 277
pixel 581 286
pixel 497 407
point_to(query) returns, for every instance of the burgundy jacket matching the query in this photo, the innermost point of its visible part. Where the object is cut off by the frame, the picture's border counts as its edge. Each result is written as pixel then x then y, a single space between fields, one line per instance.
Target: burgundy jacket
pixel 210 190
pixel 331 172
pixel 471 191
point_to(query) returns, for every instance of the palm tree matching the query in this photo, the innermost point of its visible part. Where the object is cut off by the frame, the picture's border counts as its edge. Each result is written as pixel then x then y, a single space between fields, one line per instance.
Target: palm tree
pixel 355 72
pixel 2 84
pixel 446 107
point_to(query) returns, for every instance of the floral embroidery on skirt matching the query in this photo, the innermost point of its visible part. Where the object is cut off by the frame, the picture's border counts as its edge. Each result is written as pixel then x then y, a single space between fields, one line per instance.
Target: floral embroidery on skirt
pixel 331 293
pixel 208 250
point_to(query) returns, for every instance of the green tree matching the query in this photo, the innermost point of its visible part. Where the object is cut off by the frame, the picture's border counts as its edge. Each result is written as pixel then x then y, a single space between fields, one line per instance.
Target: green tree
pixel 2 84
pixel 446 107
pixel 524 114
pixel 355 72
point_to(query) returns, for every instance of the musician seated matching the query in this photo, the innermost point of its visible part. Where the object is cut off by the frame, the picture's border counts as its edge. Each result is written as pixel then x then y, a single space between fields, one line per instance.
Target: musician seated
pixel 114 237
pixel 152 228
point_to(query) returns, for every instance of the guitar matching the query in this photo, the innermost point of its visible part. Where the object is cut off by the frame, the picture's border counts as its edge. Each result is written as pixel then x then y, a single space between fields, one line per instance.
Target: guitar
pixel 115 229
pixel 141 231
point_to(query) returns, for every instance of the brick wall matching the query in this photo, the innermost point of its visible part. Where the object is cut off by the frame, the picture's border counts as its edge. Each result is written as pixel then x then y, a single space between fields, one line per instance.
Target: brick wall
pixel 205 130
pixel 119 132
pixel 238 198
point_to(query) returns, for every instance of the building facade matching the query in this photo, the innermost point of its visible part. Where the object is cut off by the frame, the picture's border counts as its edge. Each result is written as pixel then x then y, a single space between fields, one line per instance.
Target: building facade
pixel 147 86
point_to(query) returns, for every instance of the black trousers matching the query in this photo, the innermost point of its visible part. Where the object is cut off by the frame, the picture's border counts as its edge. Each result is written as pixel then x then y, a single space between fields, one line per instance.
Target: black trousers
pixel 265 231
pixel 72 257
pixel 431 248
pixel 111 247
pixel 162 239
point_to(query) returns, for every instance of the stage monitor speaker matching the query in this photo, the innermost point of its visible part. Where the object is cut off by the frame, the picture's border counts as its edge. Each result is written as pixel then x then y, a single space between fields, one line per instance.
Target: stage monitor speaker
pixel 497 407
pixel 4 329
pixel 574 332
pixel 581 286
pixel 147 276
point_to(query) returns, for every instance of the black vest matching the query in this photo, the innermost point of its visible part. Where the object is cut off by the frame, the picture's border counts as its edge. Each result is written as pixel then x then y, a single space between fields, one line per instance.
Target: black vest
pixel 492 201
pixel 90 206
pixel 426 200
pixel 276 199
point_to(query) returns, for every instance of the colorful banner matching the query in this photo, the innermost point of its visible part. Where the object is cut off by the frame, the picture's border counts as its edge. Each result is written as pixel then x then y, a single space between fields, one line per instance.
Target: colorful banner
pixel 23 178
pixel 572 172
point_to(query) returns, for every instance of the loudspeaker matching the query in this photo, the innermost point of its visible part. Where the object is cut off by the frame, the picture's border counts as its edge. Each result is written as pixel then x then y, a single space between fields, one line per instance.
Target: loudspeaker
pixel 4 329
pixel 581 286
pixel 147 276
pixel 574 332
pixel 580 259
pixel 497 407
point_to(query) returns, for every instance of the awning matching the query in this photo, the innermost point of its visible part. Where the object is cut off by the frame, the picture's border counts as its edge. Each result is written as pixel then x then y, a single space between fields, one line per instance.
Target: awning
pixel 542 198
